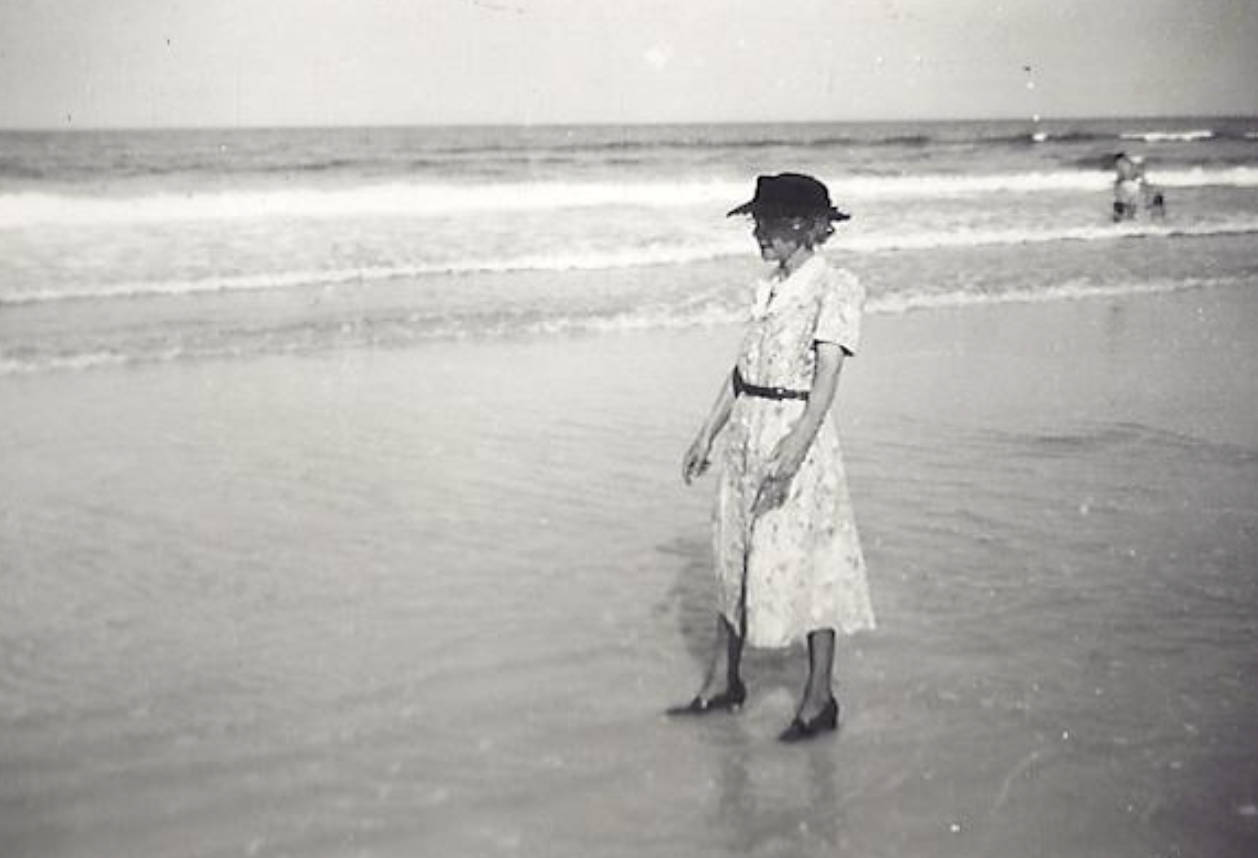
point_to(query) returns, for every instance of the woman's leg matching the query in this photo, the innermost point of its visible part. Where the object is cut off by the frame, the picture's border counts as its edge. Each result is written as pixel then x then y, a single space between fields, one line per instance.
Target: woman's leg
pixel 722 687
pixel 818 710
pixel 819 690
pixel 727 657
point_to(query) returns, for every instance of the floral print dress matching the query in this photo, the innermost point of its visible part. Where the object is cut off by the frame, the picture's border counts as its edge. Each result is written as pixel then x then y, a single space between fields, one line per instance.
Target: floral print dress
pixel 797 568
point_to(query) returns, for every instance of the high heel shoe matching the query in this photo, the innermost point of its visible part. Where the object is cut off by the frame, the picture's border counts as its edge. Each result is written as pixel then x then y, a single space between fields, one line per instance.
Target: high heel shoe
pixel 729 700
pixel 826 721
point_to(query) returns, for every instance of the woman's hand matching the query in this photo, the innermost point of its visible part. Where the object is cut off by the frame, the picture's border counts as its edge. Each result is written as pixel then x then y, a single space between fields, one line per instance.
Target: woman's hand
pixel 696 460
pixel 785 462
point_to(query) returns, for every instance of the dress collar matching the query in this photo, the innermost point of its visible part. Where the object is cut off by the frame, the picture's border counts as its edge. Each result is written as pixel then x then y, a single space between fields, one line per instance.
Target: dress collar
pixel 769 289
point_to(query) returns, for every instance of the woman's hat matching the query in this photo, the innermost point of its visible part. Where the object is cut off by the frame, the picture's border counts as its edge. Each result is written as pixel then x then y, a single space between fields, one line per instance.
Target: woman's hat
pixel 790 195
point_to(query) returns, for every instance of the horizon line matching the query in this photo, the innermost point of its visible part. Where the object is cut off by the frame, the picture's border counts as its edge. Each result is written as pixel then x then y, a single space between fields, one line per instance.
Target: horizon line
pixel 1037 120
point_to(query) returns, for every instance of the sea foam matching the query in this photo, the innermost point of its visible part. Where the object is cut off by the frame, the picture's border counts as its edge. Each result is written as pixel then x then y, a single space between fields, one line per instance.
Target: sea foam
pixel 411 328
pixel 429 200
pixel 1170 136
pixel 629 257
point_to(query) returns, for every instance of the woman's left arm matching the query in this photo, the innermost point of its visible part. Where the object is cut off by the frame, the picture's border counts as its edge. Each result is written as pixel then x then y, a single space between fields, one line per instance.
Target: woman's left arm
pixel 793 448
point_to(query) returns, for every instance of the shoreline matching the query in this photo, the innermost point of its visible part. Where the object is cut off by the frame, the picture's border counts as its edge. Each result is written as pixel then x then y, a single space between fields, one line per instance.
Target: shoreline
pixel 273 307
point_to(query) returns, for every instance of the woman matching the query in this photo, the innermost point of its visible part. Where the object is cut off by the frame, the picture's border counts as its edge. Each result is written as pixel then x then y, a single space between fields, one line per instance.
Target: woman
pixel 788 561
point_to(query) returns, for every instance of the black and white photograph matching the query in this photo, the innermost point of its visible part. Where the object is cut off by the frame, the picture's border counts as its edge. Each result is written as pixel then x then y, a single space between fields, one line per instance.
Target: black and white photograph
pixel 577 429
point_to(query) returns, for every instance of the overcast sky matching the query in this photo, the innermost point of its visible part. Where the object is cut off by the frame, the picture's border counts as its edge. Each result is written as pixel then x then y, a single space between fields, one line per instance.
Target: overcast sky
pixel 85 63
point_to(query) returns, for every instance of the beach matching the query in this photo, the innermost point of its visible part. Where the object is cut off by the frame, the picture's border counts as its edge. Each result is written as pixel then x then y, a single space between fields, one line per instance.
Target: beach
pixel 341 509
pixel 431 598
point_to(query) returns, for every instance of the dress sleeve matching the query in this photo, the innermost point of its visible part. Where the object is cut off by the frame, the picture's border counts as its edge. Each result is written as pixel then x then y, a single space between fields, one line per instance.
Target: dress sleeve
pixel 839 316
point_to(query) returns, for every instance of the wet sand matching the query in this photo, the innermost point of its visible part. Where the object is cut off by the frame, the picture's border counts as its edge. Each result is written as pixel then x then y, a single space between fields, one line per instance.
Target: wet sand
pixel 432 601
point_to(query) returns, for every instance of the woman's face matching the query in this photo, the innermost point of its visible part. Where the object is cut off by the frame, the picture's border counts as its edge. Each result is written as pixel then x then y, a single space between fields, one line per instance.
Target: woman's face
pixel 778 240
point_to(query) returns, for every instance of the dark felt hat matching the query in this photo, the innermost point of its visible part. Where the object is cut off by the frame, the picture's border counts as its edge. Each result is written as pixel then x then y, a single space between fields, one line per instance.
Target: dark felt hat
pixel 789 195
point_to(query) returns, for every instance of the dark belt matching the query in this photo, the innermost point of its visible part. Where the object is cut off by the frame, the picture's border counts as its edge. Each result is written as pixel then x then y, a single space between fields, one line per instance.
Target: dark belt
pixel 742 388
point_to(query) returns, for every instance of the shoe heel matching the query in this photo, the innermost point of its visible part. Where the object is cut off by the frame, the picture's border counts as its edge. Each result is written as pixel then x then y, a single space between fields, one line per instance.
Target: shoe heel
pixel 730 700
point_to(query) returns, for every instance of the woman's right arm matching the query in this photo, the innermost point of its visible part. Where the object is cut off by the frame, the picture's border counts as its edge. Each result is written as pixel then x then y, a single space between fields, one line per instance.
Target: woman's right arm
pixel 696 460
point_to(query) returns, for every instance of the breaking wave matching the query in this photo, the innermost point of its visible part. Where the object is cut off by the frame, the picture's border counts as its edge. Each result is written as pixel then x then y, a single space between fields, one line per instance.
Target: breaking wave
pixel 31 209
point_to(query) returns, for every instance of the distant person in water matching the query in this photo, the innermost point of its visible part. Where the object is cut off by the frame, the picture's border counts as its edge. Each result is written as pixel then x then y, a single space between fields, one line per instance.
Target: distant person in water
pixel 789 566
pixel 1154 199
pixel 1132 190
pixel 1127 190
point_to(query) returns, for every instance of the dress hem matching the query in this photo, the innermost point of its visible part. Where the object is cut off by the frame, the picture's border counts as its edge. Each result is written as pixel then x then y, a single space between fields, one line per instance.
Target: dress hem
pixel 799 639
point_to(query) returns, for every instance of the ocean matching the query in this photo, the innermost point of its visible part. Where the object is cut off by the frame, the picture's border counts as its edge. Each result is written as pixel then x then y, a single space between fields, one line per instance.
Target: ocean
pixel 132 246
pixel 341 511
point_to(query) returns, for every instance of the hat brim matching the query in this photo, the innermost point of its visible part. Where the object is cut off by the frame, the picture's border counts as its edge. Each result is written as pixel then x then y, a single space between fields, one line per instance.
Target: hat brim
pixel 749 208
